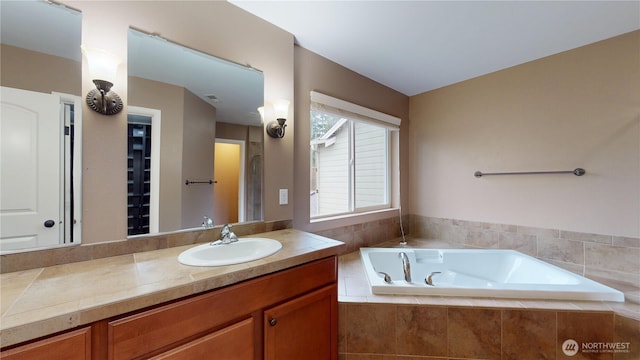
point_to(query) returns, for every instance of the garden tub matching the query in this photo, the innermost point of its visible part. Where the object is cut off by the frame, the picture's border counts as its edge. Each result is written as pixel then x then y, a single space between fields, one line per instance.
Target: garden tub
pixel 476 273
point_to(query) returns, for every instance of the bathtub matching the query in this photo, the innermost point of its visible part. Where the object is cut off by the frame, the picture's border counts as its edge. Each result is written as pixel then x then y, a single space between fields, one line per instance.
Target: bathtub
pixel 477 273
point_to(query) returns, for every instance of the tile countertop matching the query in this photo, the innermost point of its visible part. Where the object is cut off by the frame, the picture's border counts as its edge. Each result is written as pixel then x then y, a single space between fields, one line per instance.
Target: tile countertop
pixel 39 302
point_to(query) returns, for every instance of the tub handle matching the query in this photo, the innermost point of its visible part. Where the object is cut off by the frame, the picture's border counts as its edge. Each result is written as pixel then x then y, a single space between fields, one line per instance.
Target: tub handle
pixel 429 278
pixel 385 277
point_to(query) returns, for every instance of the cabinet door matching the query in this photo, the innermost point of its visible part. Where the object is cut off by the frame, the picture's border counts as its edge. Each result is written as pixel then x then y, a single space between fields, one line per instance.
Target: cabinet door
pixel 235 342
pixel 74 345
pixel 149 332
pixel 303 328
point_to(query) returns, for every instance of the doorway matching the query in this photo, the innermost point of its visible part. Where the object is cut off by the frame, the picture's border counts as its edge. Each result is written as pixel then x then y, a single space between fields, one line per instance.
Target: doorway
pixel 143 174
pixel 228 189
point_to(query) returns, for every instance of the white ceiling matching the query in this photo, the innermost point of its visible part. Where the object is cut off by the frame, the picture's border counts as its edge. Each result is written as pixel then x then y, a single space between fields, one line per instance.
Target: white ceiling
pixel 417 46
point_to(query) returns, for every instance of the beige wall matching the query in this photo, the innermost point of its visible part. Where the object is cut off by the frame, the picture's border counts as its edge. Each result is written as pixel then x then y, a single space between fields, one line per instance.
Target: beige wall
pixel 197 160
pixel 169 100
pixel 214 27
pixel 315 73
pixel 30 70
pixel 580 108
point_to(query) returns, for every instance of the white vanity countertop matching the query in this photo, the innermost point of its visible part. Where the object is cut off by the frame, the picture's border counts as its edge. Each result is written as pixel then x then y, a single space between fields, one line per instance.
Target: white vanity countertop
pixel 39 302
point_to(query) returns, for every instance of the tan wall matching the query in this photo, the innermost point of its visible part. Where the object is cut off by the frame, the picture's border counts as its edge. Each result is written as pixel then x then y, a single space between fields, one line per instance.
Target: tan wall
pixel 580 108
pixel 170 101
pixel 197 160
pixel 30 70
pixel 216 28
pixel 232 131
pixel 313 72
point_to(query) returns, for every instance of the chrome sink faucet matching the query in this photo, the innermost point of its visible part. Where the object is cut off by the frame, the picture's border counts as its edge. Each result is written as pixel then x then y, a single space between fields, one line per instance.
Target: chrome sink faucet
pixel 227 236
pixel 207 223
pixel 406 266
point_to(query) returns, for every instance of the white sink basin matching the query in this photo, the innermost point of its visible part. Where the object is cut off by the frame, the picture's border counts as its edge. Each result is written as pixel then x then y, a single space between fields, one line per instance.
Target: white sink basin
pixel 244 250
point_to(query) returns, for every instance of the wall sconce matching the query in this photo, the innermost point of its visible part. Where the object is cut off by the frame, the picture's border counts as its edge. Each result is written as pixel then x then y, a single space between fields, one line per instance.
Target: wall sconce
pixel 103 67
pixel 275 128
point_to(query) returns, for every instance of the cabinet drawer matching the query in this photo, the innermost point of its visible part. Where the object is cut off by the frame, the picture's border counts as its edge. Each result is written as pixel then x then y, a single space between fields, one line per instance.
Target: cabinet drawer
pixel 234 342
pixel 74 345
pixel 170 325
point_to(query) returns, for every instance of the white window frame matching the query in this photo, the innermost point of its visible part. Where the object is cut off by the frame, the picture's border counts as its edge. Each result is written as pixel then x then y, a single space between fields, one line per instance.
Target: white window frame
pixel 366 115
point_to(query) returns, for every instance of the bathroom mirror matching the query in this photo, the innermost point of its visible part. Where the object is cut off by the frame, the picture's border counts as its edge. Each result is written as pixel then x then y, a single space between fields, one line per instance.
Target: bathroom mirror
pixel 191 106
pixel 41 125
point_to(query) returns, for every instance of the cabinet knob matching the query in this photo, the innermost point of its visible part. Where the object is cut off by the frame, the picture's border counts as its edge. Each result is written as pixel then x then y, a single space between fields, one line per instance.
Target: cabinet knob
pixel 49 223
pixel 273 322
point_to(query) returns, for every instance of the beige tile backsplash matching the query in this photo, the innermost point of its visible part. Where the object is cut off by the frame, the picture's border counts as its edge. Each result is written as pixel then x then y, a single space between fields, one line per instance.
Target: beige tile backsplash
pixel 591 255
pixel 77 253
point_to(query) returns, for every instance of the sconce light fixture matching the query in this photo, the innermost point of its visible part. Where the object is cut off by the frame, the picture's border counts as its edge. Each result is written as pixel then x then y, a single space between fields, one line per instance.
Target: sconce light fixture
pixel 275 128
pixel 102 68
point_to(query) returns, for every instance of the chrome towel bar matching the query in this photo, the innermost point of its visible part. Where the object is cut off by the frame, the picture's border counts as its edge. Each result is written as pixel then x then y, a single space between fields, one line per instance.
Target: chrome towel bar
pixel 188 182
pixel 576 172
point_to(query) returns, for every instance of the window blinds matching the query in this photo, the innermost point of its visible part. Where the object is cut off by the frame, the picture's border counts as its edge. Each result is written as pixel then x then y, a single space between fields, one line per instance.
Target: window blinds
pixel 338 107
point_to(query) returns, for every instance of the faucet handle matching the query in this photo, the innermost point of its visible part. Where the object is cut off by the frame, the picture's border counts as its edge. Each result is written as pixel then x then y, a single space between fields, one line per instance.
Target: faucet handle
pixel 429 279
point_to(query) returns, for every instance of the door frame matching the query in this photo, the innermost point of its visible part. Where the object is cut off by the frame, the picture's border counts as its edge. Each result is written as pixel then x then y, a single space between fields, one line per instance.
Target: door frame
pixel 241 175
pixel 76 222
pixel 154 201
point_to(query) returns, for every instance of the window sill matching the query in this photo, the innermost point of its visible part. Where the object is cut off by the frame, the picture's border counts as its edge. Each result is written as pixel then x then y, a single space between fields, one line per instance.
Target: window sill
pixel 358 217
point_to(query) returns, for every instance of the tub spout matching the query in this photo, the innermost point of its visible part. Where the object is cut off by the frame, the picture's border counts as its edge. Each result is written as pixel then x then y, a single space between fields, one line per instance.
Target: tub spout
pixel 406 266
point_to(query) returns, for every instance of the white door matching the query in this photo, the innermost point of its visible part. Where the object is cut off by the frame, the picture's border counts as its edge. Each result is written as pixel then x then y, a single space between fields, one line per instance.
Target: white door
pixel 30 188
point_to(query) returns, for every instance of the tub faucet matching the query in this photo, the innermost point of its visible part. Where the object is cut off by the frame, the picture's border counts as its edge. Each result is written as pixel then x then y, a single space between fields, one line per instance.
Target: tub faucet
pixel 406 266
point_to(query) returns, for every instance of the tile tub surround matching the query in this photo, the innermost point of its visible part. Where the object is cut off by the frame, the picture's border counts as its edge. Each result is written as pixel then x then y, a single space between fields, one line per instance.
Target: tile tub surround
pixel 75 253
pixel 42 301
pixel 389 327
pixel 603 258
pixel 368 233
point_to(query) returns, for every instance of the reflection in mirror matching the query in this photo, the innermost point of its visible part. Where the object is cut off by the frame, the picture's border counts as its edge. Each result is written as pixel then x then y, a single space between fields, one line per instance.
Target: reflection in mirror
pixel 40 125
pixel 185 105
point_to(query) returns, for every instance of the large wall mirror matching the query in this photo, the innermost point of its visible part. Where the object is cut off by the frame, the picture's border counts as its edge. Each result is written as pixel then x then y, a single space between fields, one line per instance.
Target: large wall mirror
pixel 40 166
pixel 195 146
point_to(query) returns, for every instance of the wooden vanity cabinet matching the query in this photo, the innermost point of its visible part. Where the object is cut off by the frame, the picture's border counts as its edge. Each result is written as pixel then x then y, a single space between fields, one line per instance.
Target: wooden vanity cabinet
pixel 291 314
pixel 232 342
pixel 72 345
pixel 303 328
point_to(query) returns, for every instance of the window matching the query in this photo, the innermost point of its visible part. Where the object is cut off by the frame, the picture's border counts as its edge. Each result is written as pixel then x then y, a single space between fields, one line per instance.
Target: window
pixel 351 158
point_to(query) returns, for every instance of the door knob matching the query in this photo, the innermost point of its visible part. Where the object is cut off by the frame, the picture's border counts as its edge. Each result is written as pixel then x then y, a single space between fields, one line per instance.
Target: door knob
pixel 49 223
